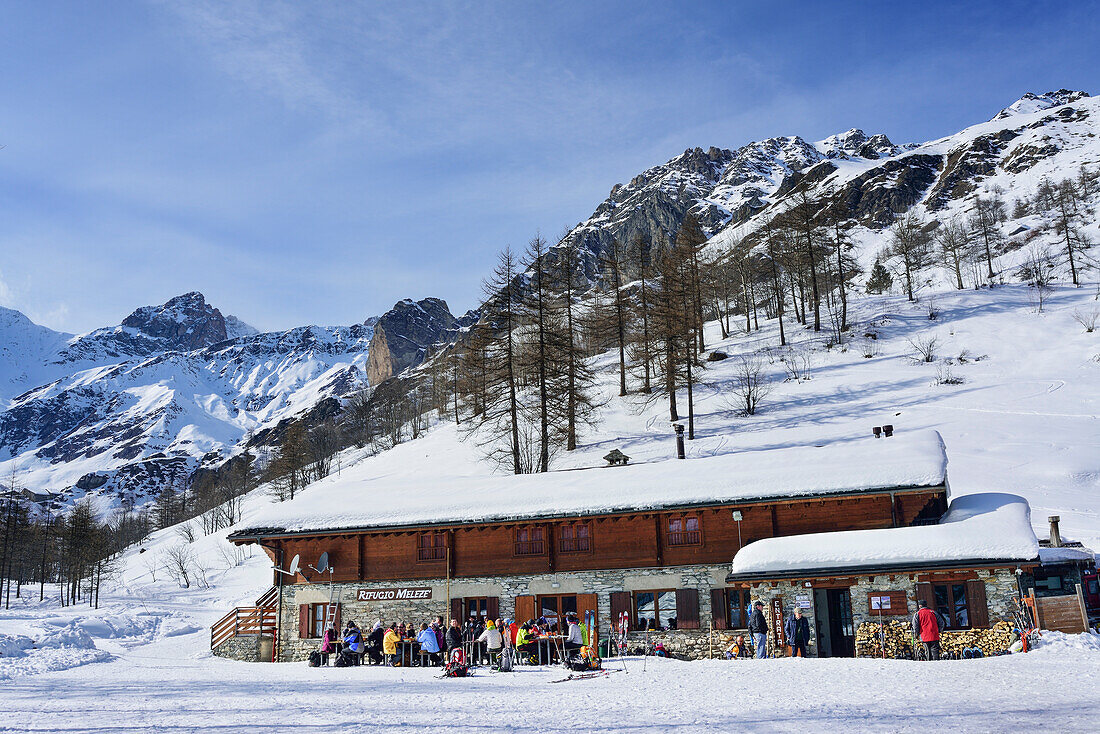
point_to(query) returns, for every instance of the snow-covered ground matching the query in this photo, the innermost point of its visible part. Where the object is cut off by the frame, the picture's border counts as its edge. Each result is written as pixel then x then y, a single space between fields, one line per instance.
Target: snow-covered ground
pixel 1023 420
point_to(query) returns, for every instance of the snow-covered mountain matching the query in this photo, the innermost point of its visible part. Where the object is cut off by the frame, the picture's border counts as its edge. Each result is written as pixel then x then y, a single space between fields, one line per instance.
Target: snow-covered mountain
pixel 734 192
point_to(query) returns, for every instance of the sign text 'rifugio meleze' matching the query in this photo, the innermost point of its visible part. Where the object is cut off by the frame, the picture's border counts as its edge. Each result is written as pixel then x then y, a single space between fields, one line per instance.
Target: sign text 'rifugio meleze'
pixel 416 593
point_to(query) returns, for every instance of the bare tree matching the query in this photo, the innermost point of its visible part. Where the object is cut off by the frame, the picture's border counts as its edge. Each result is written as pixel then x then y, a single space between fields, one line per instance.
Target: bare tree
pixel 955 247
pixel 925 347
pixel 1087 319
pixel 1038 270
pixel 750 383
pixel 179 564
pixel 911 243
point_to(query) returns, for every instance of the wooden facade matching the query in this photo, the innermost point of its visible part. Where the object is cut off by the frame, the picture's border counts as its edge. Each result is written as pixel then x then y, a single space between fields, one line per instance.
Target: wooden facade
pixel 669 537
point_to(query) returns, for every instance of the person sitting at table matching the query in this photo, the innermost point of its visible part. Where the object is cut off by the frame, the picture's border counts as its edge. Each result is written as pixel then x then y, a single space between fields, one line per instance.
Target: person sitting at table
pixel 330 643
pixel 493 641
pixel 454 636
pixel 353 640
pixel 389 645
pixel 513 630
pixel 374 643
pixel 527 642
pixel 402 631
pixel 429 644
pixel 574 640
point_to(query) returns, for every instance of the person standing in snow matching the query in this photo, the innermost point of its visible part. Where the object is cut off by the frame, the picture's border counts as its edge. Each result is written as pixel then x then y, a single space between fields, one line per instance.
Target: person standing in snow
pixel 454 636
pixel 758 628
pixel 797 630
pixel 927 626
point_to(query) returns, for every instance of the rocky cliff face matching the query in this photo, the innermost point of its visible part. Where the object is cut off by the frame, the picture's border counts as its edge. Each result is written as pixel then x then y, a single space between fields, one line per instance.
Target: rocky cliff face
pixel 185 322
pixel 405 334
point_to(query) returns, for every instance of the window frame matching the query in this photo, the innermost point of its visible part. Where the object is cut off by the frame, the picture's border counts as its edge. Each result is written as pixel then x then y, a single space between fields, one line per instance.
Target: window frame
pixel 530 546
pixel 745 605
pixel 481 601
pixel 952 621
pixel 574 540
pixel 431 553
pixel 684 538
pixel 316 625
pixel 656 608
pixel 559 614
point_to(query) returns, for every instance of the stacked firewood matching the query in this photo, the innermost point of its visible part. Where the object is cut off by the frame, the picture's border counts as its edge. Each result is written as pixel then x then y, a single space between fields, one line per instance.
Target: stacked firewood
pixel 897 637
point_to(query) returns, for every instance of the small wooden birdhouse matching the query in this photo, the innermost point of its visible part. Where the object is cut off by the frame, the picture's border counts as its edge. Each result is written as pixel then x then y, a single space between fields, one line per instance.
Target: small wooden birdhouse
pixel 617 458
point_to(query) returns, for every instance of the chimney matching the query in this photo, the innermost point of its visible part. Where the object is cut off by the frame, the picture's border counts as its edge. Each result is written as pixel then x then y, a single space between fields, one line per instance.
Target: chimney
pixel 1055 536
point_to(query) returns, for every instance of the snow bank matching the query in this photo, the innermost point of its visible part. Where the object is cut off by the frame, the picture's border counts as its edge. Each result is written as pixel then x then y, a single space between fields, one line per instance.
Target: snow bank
pixel 359 499
pixel 977 527
pixel 64 648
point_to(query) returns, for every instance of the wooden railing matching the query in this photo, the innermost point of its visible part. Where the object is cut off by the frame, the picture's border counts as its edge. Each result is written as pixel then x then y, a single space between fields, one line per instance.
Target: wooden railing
pixel 269 598
pixel 243 621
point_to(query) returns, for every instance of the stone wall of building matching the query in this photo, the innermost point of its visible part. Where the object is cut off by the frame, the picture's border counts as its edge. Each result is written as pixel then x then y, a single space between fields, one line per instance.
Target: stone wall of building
pixel 1000 590
pixel 246 648
pixel 505 588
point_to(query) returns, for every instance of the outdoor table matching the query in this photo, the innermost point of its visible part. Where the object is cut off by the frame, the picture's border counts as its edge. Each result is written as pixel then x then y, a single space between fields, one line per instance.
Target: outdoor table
pixel 406 651
pixel 548 644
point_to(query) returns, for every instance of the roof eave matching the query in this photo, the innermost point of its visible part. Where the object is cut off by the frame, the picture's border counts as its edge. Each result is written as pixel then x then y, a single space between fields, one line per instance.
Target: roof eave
pixel 255 534
pixel 861 570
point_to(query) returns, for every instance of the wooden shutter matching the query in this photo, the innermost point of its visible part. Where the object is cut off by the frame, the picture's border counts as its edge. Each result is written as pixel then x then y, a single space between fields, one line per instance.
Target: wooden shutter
pixel 456 610
pixel 620 602
pixel 924 592
pixel 525 608
pixel 336 621
pixel 975 599
pixel 718 609
pixel 303 621
pixel 687 609
pixel 492 607
pixel 587 603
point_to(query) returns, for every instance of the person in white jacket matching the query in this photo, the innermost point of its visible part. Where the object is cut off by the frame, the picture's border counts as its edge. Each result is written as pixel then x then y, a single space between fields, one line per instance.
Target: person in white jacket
pixel 574 640
pixel 493 640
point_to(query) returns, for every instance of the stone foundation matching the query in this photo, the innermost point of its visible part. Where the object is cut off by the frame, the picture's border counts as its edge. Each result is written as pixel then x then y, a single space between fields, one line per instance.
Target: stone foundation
pixel 505 588
pixel 246 648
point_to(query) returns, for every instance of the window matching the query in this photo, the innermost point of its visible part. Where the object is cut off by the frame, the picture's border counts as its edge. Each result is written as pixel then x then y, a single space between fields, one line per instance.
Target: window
pixel 529 542
pixel 739 607
pixel 1050 583
pixel 575 537
pixel 684 530
pixel 655 609
pixel 431 547
pixel 318 616
pixel 477 607
pixel 951 602
pixel 555 607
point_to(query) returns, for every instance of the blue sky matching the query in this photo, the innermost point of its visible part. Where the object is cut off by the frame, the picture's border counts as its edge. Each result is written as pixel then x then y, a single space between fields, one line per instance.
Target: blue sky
pixel 313 163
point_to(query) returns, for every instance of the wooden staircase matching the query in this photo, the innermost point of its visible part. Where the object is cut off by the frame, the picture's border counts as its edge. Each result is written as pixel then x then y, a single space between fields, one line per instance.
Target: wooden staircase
pixel 257 620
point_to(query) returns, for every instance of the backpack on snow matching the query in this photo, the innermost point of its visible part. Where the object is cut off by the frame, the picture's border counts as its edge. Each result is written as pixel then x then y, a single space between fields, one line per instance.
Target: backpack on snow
pixel 315 659
pixel 456 664
pixel 505 665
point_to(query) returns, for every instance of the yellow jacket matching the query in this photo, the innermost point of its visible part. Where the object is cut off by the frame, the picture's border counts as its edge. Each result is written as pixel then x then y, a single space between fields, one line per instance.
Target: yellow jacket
pixel 389 643
pixel 522 637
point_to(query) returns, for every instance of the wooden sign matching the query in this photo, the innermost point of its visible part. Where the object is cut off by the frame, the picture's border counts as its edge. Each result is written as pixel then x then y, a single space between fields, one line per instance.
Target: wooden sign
pixel 414 593
pixel 777 621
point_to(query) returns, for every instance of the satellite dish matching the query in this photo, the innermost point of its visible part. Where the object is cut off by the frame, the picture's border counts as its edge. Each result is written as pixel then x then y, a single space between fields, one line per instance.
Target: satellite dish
pixel 293 565
pixel 322 563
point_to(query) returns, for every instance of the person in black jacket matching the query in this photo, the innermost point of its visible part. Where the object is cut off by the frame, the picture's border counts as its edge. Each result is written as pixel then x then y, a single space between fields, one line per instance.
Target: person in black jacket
pixel 374 643
pixel 454 636
pixel 758 628
pixel 797 630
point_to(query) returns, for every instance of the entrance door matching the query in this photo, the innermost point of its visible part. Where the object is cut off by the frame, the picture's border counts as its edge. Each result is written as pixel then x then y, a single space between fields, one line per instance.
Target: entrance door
pixel 836 635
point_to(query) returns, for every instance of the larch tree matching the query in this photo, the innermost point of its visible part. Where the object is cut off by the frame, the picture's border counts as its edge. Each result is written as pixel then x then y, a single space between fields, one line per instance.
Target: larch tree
pixel 911 243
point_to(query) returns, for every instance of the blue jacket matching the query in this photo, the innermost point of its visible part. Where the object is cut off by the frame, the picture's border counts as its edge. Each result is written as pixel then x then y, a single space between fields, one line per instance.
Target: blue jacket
pixel 428 641
pixel 797 630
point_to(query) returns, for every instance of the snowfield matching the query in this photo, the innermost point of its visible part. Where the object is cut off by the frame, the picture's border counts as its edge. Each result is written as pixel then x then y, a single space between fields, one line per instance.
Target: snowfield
pixel 1020 419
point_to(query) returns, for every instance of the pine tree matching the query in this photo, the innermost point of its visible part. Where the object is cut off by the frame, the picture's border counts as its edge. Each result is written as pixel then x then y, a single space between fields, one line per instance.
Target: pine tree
pixel 879 280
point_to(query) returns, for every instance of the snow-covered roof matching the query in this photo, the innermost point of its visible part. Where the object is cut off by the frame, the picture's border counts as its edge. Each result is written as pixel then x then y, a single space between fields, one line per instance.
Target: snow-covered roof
pixel 977 528
pixel 358 499
pixel 1066 554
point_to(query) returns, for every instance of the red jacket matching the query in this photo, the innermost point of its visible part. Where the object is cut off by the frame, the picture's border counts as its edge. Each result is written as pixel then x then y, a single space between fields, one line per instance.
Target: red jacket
pixel 927 625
